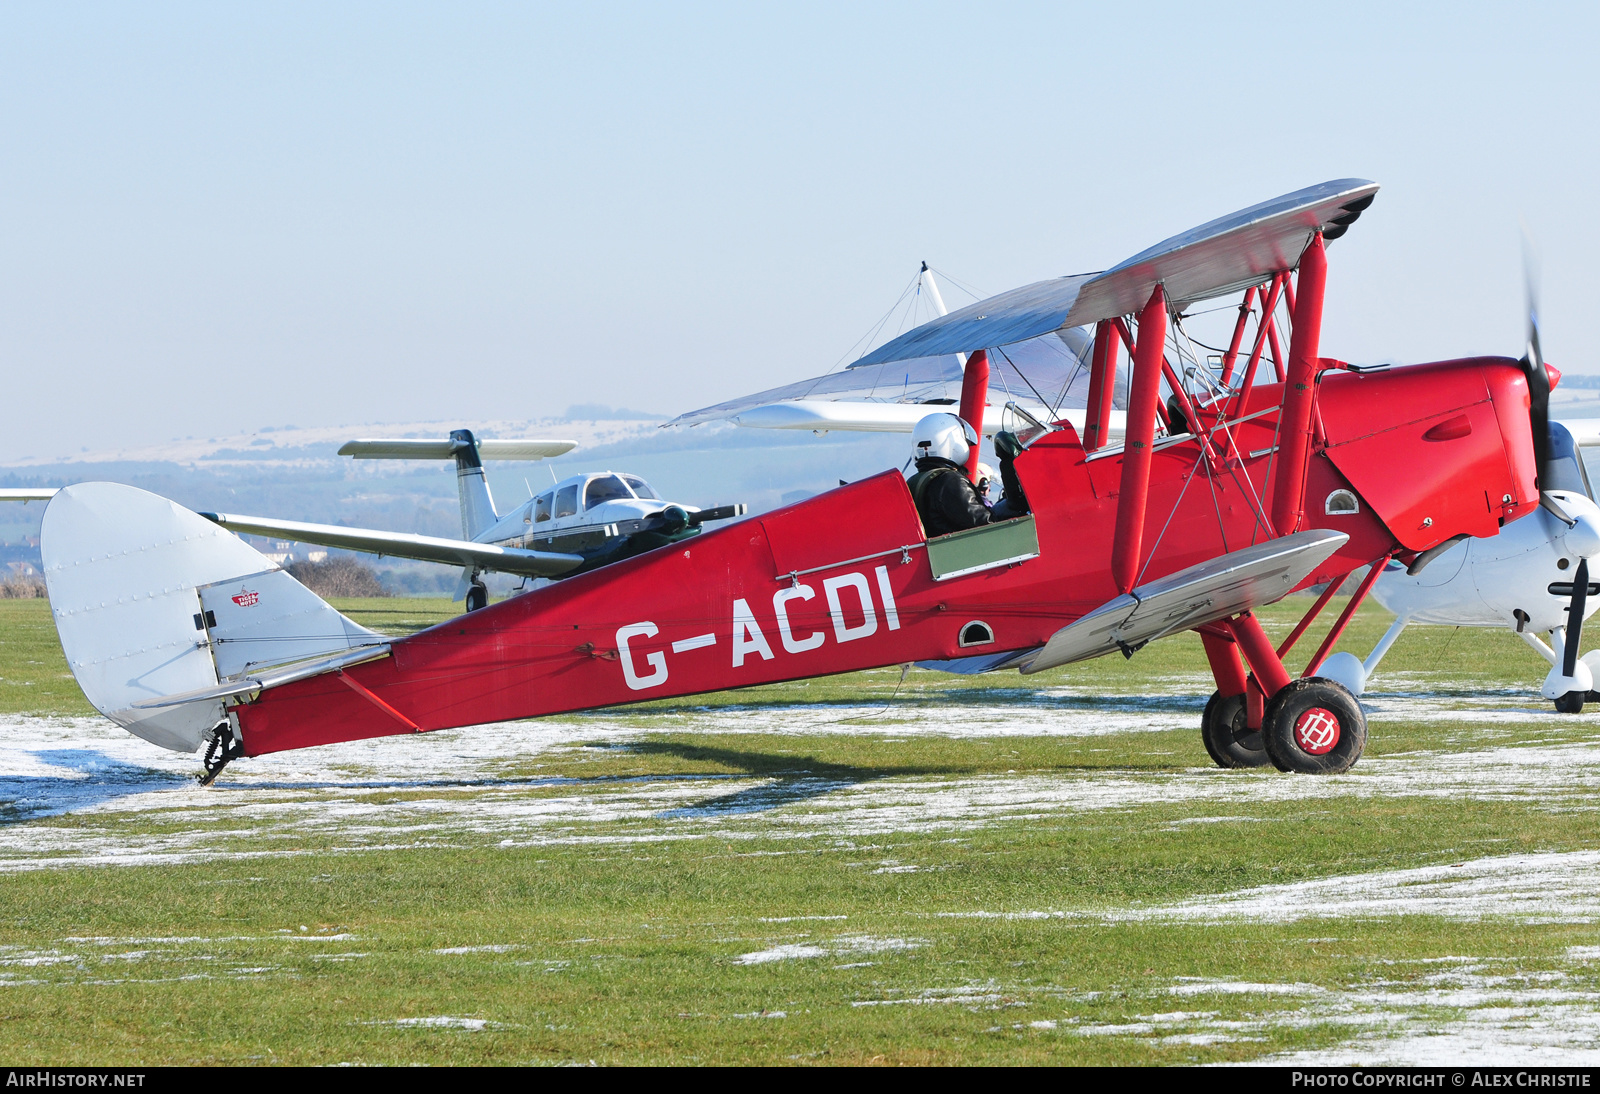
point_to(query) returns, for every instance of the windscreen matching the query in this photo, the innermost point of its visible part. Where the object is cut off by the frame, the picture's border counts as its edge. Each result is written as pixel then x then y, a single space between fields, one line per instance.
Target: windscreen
pixel 608 488
pixel 641 488
pixel 1566 471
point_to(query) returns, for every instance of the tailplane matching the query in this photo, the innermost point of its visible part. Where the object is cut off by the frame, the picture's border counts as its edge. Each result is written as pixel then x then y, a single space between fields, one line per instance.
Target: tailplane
pixel 477 507
pixel 164 616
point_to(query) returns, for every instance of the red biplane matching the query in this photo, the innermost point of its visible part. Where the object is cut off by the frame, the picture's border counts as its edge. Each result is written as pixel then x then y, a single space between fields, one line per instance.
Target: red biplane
pixel 1292 469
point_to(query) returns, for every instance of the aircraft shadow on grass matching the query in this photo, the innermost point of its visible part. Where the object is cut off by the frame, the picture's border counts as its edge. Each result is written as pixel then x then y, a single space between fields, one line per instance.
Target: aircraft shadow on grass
pixel 94 780
pixel 861 711
pixel 796 778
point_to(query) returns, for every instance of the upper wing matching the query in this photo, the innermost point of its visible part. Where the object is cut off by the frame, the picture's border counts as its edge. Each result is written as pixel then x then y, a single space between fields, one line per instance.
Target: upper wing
pixel 446 449
pixel 860 416
pixel 1224 255
pixel 1053 370
pixel 454 552
pixel 15 494
pixel 822 415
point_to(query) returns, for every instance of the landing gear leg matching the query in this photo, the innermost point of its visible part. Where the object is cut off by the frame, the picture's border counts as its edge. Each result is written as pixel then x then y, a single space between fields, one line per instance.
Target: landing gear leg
pixel 1225 726
pixel 477 596
pixel 223 749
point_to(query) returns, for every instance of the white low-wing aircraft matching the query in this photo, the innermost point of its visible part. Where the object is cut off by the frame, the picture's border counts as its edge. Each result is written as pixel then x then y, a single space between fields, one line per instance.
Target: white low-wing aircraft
pixel 1532 578
pixel 580 523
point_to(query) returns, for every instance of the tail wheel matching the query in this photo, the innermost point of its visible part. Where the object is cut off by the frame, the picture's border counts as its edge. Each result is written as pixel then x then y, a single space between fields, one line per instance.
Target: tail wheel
pixel 1227 736
pixel 1315 727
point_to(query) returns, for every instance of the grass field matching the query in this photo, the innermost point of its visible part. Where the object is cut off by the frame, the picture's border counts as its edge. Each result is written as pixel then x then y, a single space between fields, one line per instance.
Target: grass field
pixel 863 869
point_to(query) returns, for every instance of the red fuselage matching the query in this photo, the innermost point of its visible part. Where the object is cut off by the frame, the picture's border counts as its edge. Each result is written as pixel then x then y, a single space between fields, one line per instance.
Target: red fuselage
pixel 842 581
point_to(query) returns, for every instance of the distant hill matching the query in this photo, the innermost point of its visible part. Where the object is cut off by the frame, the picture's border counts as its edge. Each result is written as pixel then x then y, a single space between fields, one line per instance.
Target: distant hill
pixel 296 474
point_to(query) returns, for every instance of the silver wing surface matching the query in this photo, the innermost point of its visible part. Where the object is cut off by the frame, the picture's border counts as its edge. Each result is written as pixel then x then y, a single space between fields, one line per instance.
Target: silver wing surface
pixel 1212 590
pixel 454 552
pixel 427 449
pixel 892 397
pixel 1219 257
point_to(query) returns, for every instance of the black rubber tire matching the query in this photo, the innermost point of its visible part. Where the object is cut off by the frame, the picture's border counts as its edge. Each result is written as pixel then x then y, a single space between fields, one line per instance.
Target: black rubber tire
pixel 1227 739
pixel 477 597
pixel 1285 711
pixel 1572 702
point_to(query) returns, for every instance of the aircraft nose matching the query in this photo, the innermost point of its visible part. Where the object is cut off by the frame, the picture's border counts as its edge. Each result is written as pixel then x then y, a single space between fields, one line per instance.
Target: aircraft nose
pixel 1583 538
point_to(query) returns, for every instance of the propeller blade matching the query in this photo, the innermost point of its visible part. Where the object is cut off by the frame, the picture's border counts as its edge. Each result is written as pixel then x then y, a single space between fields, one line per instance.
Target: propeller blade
pixel 1575 609
pixel 1533 365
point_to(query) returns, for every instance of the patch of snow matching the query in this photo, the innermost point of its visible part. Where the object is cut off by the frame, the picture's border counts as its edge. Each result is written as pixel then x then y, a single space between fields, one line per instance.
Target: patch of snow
pixel 1468 1013
pixel 832 947
pixel 984 996
pixel 1553 887
pixel 1238 987
pixel 438 1022
pixel 794 951
pixel 449 788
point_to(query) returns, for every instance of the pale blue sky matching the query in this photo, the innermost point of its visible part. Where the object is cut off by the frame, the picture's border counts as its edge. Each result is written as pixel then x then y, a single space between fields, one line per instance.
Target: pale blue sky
pixel 220 217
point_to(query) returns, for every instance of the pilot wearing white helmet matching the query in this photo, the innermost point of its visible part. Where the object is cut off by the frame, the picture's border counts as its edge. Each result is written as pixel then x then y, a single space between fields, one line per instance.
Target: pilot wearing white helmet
pixel 946 499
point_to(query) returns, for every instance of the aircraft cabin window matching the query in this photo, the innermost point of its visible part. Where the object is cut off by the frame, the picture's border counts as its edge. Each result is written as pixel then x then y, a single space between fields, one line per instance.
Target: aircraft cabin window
pixel 541 505
pixel 567 501
pixel 641 489
pixel 606 488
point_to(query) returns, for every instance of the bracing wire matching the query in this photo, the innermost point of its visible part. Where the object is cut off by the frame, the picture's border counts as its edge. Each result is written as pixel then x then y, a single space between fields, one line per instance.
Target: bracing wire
pixel 872 334
pixel 1176 505
pixel 970 290
pixel 1072 378
pixel 1042 400
pixel 1216 503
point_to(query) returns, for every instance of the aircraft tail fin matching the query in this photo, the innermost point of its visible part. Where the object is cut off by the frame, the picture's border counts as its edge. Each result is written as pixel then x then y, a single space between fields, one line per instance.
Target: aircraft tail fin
pixel 164 616
pixel 477 507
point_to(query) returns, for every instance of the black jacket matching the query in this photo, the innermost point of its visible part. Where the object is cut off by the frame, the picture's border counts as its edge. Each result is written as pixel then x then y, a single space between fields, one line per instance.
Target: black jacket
pixel 946 501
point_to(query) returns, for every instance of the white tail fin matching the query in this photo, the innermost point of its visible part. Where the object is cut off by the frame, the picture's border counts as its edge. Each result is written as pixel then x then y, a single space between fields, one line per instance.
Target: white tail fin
pixel 477 507
pixel 152 601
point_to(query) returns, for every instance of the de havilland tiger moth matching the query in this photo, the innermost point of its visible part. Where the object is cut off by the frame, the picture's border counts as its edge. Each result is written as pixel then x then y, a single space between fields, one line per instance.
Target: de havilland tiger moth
pixel 1214 504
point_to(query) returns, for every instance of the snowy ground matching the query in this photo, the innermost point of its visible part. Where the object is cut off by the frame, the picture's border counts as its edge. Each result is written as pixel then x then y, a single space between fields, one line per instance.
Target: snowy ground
pixel 132 804
pixel 454 787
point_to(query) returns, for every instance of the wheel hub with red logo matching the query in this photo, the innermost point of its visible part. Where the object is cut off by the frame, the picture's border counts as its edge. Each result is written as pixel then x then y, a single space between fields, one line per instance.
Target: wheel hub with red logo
pixel 1317 731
